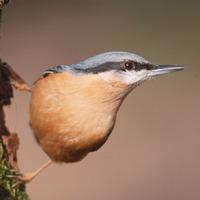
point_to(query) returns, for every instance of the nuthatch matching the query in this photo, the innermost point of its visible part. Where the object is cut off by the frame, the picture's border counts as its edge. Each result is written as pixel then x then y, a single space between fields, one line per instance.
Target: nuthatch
pixel 73 108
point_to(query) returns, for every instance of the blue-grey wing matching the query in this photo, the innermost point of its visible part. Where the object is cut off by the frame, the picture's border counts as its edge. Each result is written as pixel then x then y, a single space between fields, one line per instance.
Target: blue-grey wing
pixel 56 69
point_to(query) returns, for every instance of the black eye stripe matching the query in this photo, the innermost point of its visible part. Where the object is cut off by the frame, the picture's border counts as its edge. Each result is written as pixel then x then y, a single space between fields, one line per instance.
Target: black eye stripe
pixel 123 66
pixel 130 65
pixel 147 66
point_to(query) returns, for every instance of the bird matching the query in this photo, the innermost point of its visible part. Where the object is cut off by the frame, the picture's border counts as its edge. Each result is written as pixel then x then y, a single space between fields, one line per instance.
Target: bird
pixel 73 108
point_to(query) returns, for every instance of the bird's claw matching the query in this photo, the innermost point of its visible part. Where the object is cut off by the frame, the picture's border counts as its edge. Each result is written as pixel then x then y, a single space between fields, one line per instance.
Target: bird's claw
pixel 26 178
pixel 21 178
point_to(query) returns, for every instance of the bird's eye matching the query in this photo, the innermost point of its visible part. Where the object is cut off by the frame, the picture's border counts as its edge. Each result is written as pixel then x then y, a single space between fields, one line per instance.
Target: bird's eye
pixel 129 65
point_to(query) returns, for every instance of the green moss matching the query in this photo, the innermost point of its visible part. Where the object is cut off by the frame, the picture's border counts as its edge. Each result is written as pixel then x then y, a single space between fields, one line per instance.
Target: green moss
pixel 10 186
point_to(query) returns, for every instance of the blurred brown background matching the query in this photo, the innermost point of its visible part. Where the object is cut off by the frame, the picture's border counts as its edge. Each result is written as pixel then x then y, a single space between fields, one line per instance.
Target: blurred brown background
pixel 153 152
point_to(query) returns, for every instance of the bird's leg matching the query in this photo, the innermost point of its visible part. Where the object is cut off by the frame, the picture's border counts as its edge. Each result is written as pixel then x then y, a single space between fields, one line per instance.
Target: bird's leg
pixel 30 176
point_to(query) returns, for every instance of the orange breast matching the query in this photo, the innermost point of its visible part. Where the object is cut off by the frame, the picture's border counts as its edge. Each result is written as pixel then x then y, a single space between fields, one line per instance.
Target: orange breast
pixel 72 115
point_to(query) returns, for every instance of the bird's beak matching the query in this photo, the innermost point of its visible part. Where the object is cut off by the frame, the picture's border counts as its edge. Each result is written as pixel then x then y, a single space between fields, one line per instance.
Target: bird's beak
pixel 164 69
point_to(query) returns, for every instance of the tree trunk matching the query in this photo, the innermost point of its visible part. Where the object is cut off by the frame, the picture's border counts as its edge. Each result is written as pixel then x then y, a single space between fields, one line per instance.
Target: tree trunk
pixel 11 188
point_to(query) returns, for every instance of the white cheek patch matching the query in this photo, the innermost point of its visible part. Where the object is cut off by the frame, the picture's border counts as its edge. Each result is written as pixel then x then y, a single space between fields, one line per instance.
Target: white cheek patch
pixel 134 77
pixel 127 77
pixel 108 76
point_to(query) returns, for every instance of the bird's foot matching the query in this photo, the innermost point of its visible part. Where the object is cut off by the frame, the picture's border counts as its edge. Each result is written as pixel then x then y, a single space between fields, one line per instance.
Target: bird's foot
pixel 28 177
pixel 22 178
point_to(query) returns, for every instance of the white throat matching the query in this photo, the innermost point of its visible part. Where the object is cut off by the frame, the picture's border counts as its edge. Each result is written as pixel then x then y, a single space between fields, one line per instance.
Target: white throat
pixel 125 77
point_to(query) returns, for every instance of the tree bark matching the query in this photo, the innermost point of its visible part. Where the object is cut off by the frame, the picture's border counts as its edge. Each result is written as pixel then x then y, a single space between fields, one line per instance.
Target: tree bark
pixel 3 2
pixel 11 188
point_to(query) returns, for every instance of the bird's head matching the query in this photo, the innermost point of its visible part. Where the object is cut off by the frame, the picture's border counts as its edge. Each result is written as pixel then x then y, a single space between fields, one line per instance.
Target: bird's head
pixel 122 71
pixel 123 67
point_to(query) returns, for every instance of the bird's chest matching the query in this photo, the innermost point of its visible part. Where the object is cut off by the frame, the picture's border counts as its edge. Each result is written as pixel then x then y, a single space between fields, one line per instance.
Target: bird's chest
pixel 87 119
pixel 77 112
